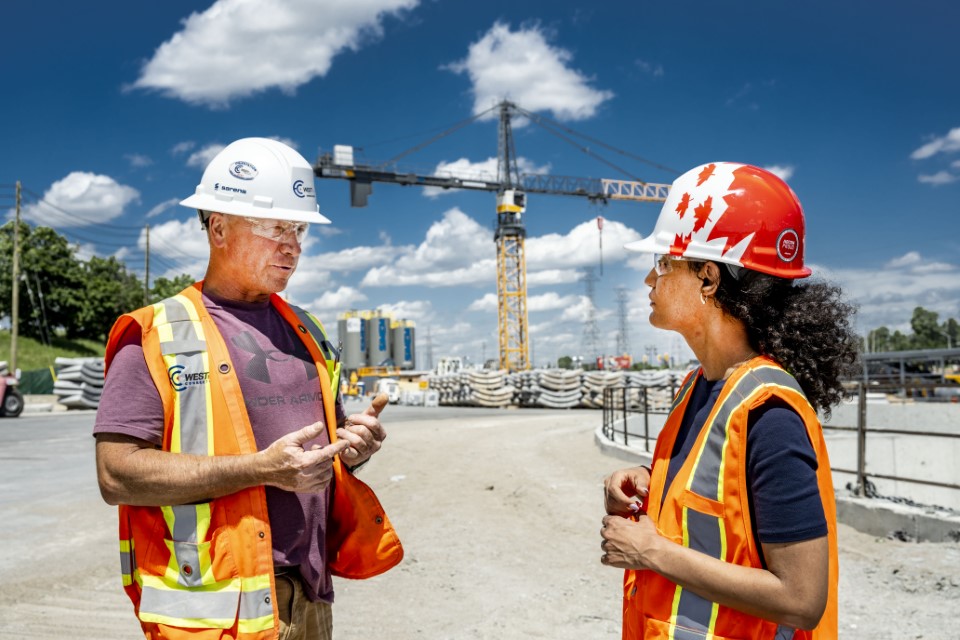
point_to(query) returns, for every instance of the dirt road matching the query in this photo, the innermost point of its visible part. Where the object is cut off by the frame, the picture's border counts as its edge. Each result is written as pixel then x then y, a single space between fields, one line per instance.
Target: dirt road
pixel 499 512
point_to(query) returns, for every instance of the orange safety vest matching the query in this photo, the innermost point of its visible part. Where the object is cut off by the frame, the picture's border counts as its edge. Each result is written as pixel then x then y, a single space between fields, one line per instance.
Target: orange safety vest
pixel 204 571
pixel 706 508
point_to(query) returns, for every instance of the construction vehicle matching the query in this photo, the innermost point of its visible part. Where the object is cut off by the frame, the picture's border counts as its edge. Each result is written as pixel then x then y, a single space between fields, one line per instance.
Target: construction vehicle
pixel 390 387
pixel 12 402
pixel 511 188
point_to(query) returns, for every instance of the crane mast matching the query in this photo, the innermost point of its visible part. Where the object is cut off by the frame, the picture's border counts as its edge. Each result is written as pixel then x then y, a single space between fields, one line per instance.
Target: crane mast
pixel 511 188
pixel 511 259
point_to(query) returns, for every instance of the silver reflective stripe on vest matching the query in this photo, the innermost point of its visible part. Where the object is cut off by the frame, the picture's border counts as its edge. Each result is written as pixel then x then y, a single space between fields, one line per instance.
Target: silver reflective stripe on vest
pixel 785 633
pixel 192 398
pixel 255 604
pixel 684 390
pixel 704 532
pixel 214 605
pixel 185 549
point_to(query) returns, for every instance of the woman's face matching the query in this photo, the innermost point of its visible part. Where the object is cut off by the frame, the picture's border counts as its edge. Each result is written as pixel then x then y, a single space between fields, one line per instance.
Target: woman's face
pixel 674 295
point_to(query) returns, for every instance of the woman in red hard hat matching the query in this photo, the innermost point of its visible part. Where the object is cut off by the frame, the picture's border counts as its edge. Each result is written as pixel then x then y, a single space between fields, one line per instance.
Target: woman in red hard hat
pixel 736 535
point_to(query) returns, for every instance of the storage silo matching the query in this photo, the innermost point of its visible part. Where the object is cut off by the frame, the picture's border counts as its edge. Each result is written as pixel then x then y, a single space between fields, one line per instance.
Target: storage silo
pixel 403 344
pixel 352 330
pixel 378 339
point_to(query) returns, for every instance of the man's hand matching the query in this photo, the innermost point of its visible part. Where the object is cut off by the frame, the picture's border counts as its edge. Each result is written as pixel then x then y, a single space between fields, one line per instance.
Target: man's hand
pixel 623 488
pixel 292 468
pixel 363 432
pixel 627 543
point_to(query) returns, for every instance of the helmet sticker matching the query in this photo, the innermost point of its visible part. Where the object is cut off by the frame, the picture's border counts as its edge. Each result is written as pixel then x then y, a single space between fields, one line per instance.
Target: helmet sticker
pixel 243 170
pixel 788 244
pixel 301 189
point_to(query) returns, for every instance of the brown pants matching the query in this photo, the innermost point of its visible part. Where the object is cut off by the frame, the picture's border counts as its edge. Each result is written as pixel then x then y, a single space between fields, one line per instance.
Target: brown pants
pixel 301 619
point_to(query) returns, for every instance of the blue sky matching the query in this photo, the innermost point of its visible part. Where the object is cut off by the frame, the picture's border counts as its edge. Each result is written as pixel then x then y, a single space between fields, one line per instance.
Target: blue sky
pixel 110 111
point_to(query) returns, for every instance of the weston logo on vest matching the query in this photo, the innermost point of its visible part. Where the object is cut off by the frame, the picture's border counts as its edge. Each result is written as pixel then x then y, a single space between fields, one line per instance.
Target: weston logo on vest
pixel 181 379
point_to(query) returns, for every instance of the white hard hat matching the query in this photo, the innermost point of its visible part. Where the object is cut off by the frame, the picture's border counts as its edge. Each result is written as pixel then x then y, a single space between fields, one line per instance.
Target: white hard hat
pixel 258 178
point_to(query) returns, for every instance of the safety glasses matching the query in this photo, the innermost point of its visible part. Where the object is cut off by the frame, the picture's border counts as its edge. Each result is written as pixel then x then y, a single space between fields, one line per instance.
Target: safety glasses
pixel 277 229
pixel 663 263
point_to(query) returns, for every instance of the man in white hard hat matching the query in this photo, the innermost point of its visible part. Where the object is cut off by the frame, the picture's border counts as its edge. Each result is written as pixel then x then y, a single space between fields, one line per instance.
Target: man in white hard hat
pixel 217 430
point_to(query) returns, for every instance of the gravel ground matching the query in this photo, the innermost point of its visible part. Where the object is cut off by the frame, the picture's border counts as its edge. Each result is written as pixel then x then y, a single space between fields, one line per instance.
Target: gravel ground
pixel 499 513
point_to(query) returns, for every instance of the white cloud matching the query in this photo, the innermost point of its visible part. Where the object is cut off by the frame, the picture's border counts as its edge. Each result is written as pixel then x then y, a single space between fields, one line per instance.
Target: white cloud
pixel 944 144
pixel 182 147
pixel 907 259
pixel 488 302
pixel 238 48
pixel 163 206
pixel 342 299
pixel 580 247
pixel 202 157
pixel 477 273
pixel 937 179
pixel 456 251
pixel 550 301
pixel 654 69
pixel 782 171
pixel 356 258
pixel 552 276
pixel 138 160
pixel 523 67
pixel 485 170
pixel 416 310
pixel 887 296
pixel 81 199
pixel 579 311
pixel 182 242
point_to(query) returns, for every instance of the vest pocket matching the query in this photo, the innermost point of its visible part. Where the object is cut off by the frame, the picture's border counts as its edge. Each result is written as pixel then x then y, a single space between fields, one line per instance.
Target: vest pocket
pixel 701 504
pixel 660 630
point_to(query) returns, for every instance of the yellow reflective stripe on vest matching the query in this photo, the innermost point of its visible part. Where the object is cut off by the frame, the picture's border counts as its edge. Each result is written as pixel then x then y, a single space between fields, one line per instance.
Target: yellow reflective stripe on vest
pixel 705 532
pixel 128 563
pixel 330 353
pixel 190 559
pixel 183 346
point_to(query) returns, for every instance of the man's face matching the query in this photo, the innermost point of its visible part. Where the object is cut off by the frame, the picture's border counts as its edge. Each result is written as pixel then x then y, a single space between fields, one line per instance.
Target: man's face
pixel 260 255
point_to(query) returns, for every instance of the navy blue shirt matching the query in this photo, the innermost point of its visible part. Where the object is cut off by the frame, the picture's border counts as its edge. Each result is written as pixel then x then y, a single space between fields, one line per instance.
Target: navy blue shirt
pixel 784 497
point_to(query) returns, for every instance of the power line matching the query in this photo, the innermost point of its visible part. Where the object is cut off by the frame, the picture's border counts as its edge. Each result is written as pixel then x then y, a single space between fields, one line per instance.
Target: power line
pixel 40 200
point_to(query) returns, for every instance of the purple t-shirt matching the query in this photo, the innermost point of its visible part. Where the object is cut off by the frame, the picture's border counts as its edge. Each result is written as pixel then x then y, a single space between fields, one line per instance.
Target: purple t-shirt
pixel 281 392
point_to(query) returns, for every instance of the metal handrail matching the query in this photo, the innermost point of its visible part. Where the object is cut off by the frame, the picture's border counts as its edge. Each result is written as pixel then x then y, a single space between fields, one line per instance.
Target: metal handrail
pixel 615 403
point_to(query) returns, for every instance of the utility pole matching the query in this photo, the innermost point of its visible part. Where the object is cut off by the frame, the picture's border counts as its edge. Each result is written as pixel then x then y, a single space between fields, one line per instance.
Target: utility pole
pixel 623 337
pixel 591 332
pixel 146 271
pixel 15 303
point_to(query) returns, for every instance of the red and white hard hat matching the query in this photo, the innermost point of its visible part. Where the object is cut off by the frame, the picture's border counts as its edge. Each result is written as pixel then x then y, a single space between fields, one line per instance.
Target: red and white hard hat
pixel 732 213
pixel 258 178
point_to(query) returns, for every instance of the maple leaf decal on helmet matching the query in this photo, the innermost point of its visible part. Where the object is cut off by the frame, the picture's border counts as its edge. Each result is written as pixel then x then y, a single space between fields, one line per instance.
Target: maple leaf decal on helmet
pixel 706 173
pixel 682 205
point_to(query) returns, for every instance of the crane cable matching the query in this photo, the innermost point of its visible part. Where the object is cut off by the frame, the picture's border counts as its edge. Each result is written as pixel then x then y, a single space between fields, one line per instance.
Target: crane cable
pixel 541 119
pixel 440 135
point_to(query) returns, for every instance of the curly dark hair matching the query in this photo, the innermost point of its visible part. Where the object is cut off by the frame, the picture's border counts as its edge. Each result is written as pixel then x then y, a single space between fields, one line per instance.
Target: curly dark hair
pixel 804 325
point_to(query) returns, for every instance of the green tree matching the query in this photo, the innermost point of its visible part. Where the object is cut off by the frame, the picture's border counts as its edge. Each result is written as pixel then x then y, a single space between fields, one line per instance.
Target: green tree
pixel 926 329
pixel 51 280
pixel 952 330
pixel 109 291
pixel 565 362
pixel 164 288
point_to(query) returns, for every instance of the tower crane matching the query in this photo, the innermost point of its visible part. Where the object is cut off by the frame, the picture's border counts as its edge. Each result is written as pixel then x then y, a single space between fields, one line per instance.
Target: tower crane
pixel 511 188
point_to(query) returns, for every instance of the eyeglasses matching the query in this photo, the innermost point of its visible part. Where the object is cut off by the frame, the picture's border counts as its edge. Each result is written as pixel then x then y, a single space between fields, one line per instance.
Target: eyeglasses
pixel 663 263
pixel 276 229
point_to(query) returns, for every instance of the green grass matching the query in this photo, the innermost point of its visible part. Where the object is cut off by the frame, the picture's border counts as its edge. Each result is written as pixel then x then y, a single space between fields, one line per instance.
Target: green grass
pixel 32 354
